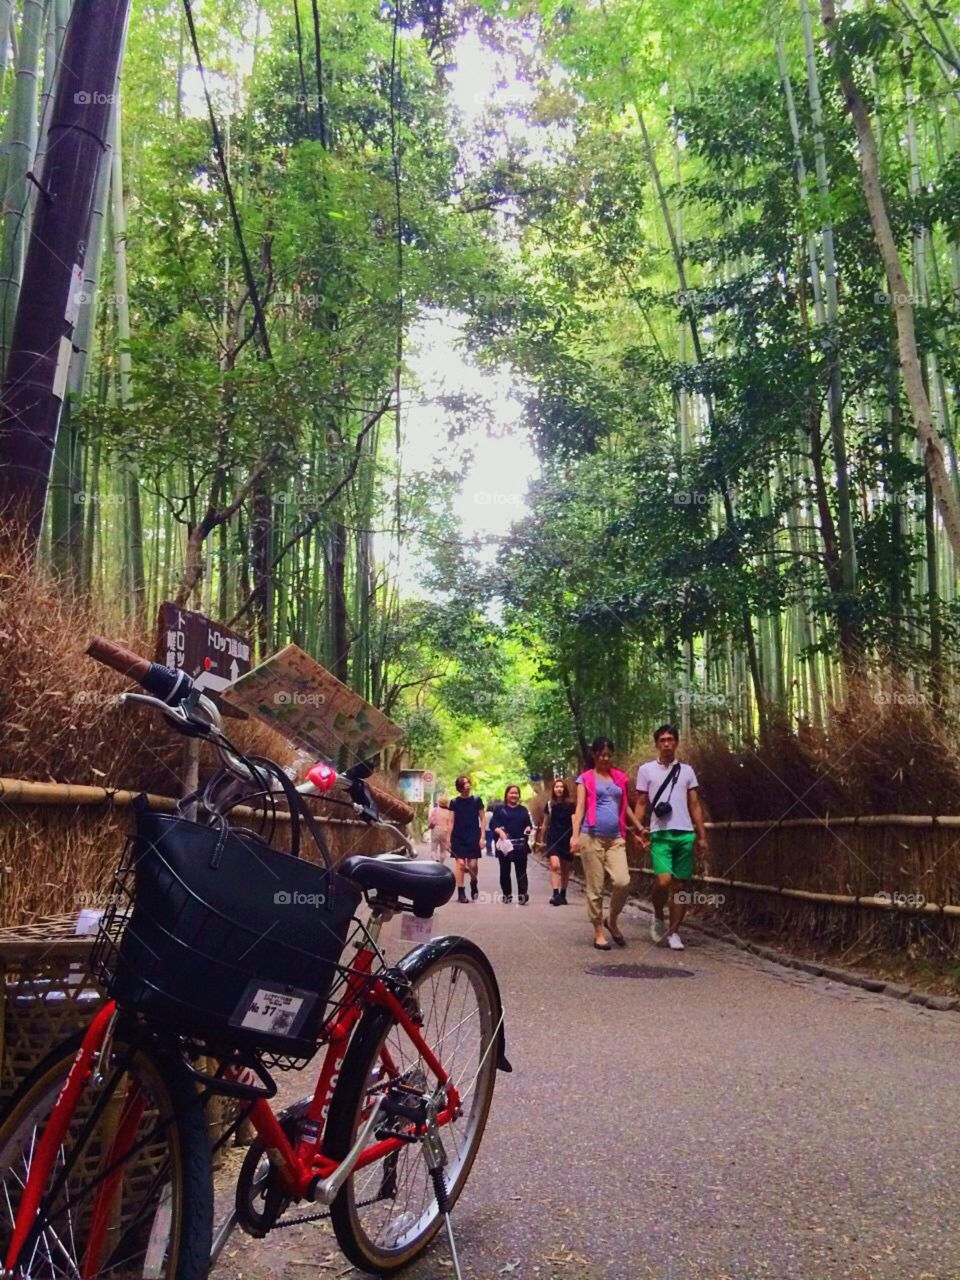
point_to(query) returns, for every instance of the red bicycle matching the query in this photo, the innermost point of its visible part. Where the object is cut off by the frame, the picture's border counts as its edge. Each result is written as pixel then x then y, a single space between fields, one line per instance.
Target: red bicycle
pixel 223 958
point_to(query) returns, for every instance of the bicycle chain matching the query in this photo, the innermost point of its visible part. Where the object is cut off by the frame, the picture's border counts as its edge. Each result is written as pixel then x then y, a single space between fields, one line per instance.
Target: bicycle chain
pixel 318 1217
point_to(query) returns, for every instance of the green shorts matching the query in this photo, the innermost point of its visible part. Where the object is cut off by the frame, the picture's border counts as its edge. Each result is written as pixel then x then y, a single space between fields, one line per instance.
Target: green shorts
pixel 671 853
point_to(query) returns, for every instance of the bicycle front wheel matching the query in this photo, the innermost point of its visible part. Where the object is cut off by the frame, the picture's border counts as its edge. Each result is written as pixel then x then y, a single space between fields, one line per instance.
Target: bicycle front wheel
pixel 386 1213
pixel 128 1195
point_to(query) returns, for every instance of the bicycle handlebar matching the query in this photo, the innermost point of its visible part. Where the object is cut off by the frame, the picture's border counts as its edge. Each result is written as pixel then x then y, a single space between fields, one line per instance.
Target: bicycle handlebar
pixel 172 688
pixel 115 655
pixel 162 682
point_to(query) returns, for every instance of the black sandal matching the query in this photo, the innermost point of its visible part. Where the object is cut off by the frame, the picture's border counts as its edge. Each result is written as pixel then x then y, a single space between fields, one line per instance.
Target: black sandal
pixel 602 946
pixel 618 938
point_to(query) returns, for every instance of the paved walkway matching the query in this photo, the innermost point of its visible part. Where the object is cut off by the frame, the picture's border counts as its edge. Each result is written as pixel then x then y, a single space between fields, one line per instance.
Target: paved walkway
pixel 730 1120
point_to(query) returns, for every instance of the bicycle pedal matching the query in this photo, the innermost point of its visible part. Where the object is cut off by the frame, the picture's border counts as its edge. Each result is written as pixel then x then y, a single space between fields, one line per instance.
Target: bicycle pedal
pixel 383 1134
pixel 414 1111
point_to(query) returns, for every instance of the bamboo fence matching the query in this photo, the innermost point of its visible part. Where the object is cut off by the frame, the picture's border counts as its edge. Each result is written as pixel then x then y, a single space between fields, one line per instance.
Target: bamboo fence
pixel 883 882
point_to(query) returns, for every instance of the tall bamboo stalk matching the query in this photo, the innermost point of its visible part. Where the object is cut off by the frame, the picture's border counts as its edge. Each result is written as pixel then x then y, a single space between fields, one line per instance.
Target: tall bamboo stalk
pixel 845 534
pixel 20 154
pixel 133 518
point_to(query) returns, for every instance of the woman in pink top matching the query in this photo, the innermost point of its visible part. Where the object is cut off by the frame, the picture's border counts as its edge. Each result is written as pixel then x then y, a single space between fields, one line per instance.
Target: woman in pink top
pixel 600 837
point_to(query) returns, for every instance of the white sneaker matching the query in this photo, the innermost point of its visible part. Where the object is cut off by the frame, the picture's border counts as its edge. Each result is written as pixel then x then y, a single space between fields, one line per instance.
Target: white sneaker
pixel 674 943
pixel 658 929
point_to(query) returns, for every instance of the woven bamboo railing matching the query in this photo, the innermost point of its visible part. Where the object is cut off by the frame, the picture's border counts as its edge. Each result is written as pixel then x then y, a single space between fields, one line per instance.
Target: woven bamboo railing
pixel 865 820
pixel 899 903
pixel 21 791
pixel 884 902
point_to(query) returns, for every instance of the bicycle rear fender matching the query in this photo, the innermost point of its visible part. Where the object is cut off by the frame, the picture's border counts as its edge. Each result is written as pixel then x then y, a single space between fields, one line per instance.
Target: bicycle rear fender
pixel 415 961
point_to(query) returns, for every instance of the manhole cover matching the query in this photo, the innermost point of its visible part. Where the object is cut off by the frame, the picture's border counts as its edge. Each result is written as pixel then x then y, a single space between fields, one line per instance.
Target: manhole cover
pixel 636 971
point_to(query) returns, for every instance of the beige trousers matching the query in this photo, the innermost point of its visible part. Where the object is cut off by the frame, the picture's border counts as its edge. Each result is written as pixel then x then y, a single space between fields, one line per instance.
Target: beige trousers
pixel 599 855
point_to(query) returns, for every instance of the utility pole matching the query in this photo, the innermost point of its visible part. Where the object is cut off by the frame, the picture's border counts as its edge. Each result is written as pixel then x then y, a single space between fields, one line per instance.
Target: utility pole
pixel 51 289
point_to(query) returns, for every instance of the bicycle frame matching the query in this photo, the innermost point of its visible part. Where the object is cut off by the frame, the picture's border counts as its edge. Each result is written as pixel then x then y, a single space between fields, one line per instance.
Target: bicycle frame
pixel 301 1164
pixel 302 1167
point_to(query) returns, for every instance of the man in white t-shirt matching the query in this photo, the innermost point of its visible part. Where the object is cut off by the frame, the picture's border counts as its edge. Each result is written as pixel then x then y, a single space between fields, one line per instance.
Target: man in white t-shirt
pixel 668 809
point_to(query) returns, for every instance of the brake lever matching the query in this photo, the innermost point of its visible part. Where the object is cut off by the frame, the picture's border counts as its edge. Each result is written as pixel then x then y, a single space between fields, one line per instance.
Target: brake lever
pixel 177 715
pixel 362 801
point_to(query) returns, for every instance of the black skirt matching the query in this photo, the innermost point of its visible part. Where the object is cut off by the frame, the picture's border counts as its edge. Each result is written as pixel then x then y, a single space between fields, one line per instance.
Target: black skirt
pixel 560 829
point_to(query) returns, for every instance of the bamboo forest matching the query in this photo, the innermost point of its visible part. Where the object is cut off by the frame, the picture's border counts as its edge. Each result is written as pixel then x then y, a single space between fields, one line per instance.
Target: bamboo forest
pixel 680 278
pixel 461 460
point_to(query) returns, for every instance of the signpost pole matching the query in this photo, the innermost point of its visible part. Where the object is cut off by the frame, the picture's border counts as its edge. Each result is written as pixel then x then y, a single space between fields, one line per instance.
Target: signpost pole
pixel 191 774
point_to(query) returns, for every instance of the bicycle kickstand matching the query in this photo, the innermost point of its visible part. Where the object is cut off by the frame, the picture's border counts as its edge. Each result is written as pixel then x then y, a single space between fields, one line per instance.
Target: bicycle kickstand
pixel 436 1159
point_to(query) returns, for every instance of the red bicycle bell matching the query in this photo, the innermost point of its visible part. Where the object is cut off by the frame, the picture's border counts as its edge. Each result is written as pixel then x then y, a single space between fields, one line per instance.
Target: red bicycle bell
pixel 322 775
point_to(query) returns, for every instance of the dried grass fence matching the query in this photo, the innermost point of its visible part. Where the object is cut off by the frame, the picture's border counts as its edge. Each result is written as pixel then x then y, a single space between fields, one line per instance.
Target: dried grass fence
pixel 60 843
pixel 59 847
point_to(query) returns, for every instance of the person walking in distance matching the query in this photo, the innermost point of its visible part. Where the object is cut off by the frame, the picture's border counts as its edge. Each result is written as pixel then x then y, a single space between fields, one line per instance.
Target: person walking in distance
pixel 489 834
pixel 441 823
pixel 466 836
pixel 600 836
pixel 512 823
pixel 556 828
pixel 670 817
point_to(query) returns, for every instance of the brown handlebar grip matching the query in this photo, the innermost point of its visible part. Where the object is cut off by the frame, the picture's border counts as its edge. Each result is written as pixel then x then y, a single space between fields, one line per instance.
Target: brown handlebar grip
pixel 120 659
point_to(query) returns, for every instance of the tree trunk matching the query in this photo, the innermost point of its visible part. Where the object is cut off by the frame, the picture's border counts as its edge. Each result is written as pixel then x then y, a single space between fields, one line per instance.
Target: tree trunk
pixel 933 596
pixel 897 533
pixel 37 366
pixel 339 644
pixel 261 540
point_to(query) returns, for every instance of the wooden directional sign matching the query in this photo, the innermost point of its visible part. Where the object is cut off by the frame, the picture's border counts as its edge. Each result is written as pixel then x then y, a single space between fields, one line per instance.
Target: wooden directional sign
pixel 212 654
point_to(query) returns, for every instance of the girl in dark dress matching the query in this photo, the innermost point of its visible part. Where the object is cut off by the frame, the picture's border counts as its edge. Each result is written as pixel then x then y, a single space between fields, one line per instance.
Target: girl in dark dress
pixel 466 836
pixel 512 823
pixel 555 832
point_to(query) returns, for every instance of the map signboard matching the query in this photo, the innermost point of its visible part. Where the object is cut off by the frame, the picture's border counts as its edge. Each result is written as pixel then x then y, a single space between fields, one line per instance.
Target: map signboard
pixel 299 698
pixel 410 785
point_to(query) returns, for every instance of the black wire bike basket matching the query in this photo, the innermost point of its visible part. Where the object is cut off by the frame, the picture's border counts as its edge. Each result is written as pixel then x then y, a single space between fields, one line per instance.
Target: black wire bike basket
pixel 216 936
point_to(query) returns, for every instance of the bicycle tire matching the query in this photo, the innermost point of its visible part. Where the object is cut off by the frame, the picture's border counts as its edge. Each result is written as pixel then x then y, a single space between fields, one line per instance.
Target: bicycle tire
pixel 167 1174
pixel 363 1075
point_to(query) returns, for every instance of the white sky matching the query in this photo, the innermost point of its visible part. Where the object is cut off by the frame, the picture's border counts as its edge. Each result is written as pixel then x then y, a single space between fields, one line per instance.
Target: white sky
pixel 503 464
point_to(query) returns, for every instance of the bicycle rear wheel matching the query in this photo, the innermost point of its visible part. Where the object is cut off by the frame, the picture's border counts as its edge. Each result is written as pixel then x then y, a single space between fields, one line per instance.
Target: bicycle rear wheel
pixel 136 1156
pixel 386 1213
